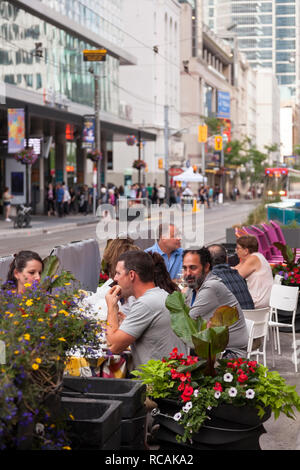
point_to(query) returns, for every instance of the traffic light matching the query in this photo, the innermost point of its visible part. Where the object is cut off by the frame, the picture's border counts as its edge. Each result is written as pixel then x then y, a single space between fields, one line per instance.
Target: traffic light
pixel 202 133
pixel 218 142
pixel 161 163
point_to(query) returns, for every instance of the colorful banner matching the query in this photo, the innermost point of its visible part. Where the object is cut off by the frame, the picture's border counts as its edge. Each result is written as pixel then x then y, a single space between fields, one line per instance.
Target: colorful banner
pixel 88 136
pixel 16 129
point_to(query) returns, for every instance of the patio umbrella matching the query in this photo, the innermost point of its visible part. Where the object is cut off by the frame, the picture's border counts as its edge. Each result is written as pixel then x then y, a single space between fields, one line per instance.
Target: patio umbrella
pixel 189 176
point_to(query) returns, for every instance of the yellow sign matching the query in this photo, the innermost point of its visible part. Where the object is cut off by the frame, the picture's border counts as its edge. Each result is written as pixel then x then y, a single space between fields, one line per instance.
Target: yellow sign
pixel 161 163
pixel 218 142
pixel 202 133
pixel 94 55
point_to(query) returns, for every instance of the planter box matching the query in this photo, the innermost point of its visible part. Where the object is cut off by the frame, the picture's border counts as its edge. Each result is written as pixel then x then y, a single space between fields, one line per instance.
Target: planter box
pixel 229 427
pixel 130 393
pixel 93 424
pixel 134 427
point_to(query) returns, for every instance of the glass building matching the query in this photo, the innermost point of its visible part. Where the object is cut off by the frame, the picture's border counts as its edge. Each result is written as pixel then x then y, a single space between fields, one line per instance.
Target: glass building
pixel 266 32
pixel 44 72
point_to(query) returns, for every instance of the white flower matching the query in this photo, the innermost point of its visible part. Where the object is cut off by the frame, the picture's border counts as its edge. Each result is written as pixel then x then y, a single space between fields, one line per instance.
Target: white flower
pixel 232 392
pixel 217 394
pixel 196 393
pixel 228 377
pixel 209 408
pixel 186 408
pixel 177 416
pixel 250 393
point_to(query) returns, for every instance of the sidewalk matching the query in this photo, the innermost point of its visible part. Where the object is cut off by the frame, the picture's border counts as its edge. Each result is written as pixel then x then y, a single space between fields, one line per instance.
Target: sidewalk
pixel 44 224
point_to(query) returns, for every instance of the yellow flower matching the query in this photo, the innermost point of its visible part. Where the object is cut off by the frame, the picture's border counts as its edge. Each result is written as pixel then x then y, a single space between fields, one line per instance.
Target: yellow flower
pixel 64 312
pixel 66 448
pixel 35 366
pixel 57 358
pixel 43 337
pixel 72 417
pixel 40 319
pixel 17 352
pixel 16 322
pixel 27 337
pixel 67 283
pixel 27 284
pixel 61 339
pixel 38 360
pixel 29 302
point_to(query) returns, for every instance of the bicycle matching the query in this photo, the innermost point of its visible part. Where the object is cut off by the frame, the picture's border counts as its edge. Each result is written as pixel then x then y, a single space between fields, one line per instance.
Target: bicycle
pixel 23 217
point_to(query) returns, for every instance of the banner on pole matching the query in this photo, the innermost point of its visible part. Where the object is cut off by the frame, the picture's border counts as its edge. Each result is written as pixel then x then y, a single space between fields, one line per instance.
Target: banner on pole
pixel 16 129
pixel 88 137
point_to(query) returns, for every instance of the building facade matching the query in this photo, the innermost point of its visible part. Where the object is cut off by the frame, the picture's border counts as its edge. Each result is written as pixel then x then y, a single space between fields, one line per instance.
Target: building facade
pixel 43 71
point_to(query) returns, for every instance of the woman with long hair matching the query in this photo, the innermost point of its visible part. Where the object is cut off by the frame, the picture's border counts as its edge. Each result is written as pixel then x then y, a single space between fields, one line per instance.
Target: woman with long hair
pixel 162 277
pixel 26 268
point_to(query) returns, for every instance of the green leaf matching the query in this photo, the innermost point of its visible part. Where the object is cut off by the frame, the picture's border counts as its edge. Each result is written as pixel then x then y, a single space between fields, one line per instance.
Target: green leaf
pixel 182 324
pixel 51 265
pixel 211 341
pixel 224 316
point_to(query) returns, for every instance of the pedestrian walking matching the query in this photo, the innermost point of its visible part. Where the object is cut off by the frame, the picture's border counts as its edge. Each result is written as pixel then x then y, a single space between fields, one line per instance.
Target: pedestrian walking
pixel 50 200
pixel 161 194
pixel 59 199
pixel 154 194
pixel 7 197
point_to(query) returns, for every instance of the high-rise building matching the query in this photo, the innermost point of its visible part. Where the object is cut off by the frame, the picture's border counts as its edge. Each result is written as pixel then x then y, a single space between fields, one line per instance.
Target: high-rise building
pixel 267 32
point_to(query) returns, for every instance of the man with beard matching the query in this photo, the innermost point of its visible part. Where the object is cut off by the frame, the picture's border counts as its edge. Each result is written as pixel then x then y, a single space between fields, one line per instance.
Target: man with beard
pixel 147 327
pixel 206 292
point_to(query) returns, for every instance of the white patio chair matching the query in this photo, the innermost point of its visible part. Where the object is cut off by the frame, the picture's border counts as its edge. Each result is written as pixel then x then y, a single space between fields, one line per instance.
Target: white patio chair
pixel 277 279
pixel 283 298
pixel 257 326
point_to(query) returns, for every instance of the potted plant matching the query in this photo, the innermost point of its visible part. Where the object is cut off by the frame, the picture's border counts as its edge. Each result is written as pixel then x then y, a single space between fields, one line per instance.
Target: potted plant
pixel 37 329
pixel 139 164
pixel 94 155
pixel 211 403
pixel 131 140
pixel 26 156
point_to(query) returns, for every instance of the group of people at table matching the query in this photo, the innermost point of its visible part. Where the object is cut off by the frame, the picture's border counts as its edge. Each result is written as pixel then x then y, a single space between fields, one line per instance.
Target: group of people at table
pixel 136 312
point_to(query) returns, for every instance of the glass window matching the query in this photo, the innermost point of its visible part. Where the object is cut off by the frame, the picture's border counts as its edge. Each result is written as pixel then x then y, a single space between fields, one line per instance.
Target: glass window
pixel 281 44
pixel 283 56
pixel 286 79
pixel 266 7
pixel 285 33
pixel 266 55
pixel 265 19
pixel 285 21
pixel 265 42
pixel 285 9
pixel 285 1
pixel 285 68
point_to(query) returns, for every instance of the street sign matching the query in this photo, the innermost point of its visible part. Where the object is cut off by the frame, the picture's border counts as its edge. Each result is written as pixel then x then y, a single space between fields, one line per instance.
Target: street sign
pixel 97 55
pixel 202 133
pixel 218 142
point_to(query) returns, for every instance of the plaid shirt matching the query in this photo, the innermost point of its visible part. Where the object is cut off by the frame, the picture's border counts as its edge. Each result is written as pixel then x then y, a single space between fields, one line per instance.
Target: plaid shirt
pixel 236 283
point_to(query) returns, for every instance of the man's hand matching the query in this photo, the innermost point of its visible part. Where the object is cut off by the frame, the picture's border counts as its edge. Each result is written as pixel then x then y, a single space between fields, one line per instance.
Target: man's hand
pixel 112 298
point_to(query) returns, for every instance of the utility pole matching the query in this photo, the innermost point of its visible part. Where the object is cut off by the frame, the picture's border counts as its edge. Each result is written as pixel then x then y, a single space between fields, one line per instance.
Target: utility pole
pixel 222 166
pixel 97 184
pixel 166 136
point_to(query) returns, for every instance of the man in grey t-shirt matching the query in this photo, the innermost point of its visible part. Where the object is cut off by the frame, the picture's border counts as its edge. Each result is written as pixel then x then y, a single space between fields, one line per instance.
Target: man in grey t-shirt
pixel 148 327
pixel 207 292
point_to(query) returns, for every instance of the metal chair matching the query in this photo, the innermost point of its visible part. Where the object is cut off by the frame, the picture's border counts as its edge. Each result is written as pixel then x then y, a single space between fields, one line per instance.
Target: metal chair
pixel 283 298
pixel 257 326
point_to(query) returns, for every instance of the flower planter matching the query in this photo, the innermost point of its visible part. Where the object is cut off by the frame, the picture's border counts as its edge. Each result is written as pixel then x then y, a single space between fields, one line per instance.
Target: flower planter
pixel 130 393
pixel 93 424
pixel 229 428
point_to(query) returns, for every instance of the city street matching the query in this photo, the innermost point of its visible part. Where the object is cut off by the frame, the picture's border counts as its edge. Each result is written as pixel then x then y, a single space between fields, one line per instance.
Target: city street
pixel 46 234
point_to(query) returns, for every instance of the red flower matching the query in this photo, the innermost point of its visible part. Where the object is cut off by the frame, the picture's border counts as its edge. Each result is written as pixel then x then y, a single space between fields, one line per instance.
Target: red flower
pixel 242 378
pixel 188 391
pixel 47 308
pixel 173 354
pixel 218 387
pixel 181 387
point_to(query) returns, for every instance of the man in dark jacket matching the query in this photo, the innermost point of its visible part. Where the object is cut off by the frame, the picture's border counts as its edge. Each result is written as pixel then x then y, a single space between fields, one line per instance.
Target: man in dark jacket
pixel 230 277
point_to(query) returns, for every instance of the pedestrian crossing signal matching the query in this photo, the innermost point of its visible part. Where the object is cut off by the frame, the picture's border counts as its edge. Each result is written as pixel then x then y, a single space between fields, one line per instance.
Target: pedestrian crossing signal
pixel 218 142
pixel 202 133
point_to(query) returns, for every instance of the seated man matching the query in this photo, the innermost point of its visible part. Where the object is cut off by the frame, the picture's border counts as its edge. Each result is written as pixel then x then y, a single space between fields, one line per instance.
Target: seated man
pixel 207 292
pixel 148 326
pixel 169 247
pixel 231 278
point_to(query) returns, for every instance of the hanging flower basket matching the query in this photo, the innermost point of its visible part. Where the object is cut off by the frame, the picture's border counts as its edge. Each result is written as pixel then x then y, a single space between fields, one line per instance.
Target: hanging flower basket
pixel 26 156
pixel 139 164
pixel 131 140
pixel 94 155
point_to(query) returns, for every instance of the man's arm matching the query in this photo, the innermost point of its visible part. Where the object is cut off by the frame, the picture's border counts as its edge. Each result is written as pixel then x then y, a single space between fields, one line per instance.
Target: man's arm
pixel 117 340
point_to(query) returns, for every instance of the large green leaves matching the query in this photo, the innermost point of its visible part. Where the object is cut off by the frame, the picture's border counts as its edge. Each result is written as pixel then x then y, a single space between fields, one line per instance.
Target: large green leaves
pixel 211 341
pixel 288 254
pixel 224 316
pixel 182 324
